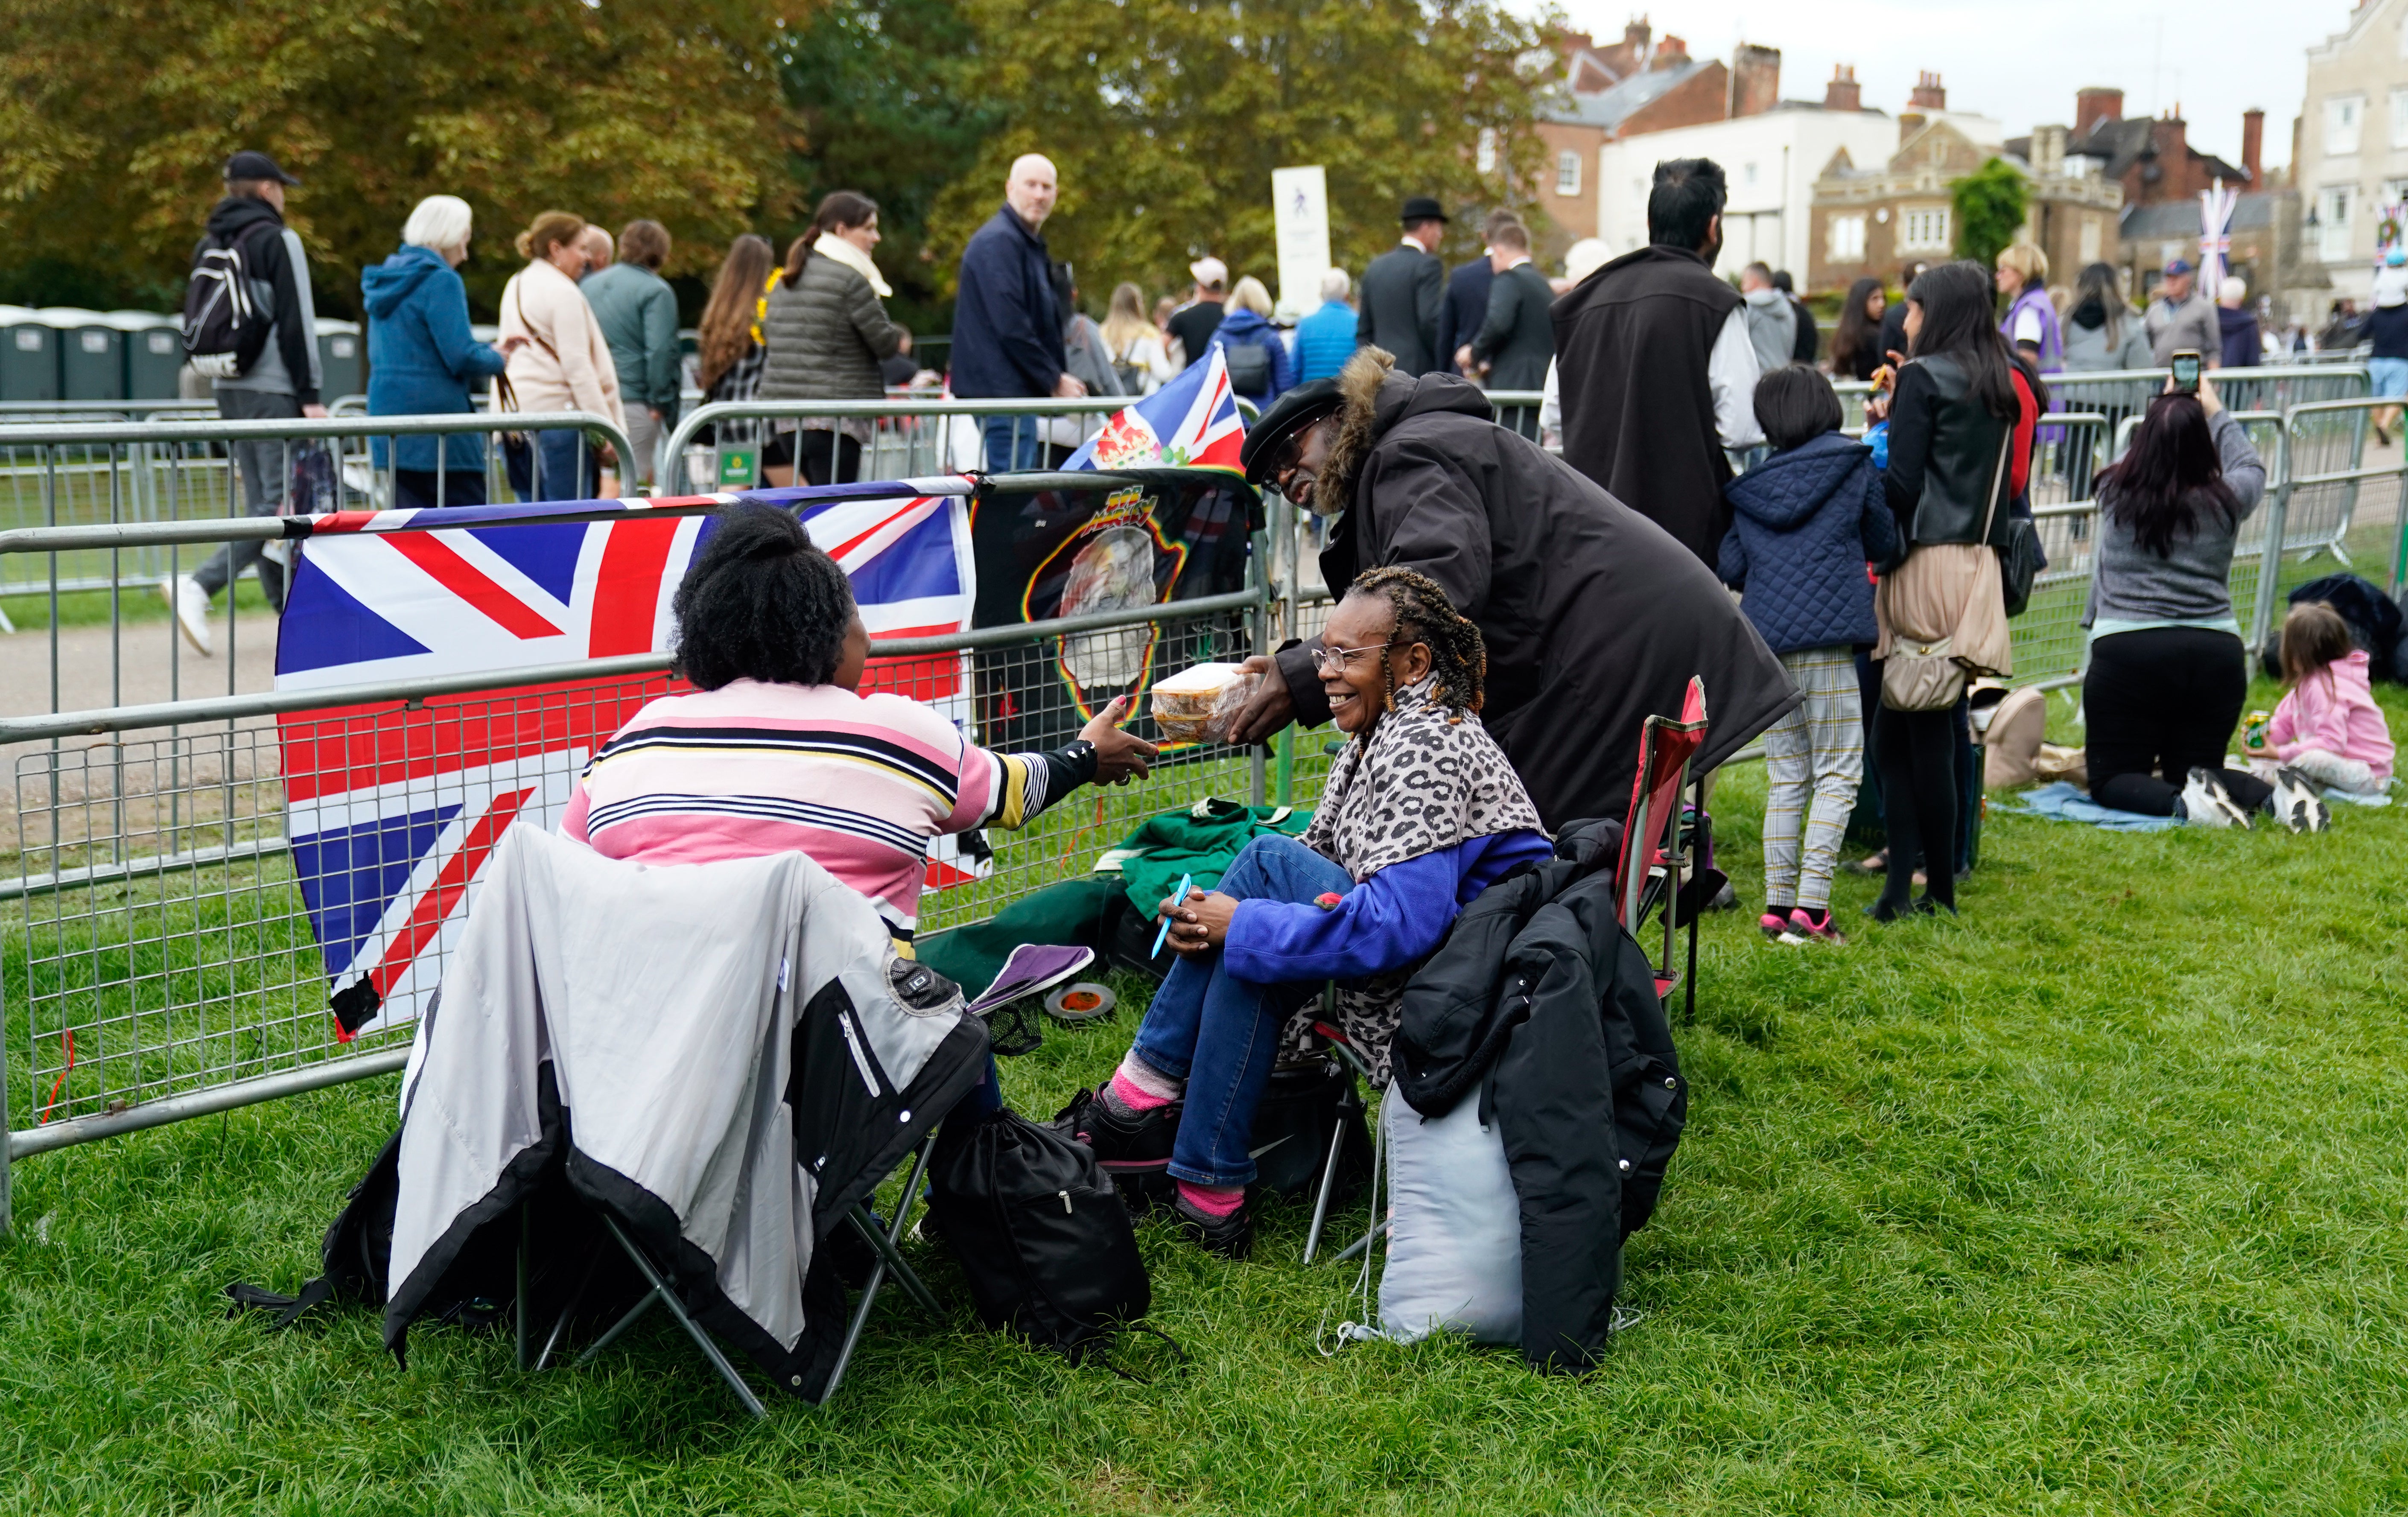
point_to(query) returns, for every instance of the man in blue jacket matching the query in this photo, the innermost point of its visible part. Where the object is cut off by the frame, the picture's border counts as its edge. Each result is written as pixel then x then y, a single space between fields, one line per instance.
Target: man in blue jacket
pixel 1324 340
pixel 1007 329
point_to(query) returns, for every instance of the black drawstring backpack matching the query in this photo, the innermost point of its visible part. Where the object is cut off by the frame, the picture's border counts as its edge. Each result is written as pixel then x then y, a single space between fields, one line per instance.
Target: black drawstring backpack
pixel 1043 1240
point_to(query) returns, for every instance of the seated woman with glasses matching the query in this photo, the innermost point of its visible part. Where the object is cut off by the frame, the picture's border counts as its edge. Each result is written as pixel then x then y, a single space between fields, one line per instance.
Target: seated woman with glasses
pixel 777 751
pixel 1421 813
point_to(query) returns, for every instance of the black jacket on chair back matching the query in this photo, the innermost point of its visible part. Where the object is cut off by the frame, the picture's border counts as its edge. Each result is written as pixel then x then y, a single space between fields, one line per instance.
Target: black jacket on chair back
pixel 1540 1007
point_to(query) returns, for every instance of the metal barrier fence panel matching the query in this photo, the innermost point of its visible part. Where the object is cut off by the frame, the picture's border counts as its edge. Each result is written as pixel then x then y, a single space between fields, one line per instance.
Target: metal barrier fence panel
pixel 178 461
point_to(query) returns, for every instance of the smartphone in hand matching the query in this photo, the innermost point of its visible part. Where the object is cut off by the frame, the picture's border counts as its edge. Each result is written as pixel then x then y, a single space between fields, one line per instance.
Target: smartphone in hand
pixel 2186 367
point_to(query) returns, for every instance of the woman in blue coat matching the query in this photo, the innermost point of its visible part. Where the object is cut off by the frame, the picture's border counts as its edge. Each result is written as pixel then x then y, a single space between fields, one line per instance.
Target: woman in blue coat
pixel 422 358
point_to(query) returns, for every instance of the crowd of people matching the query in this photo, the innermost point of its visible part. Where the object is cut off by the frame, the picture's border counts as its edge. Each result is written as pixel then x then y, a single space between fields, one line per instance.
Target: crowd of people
pixel 1511 612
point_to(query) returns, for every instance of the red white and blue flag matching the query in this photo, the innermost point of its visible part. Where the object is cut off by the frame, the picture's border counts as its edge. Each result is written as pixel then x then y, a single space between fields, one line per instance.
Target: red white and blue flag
pixel 1193 421
pixel 2215 208
pixel 393 808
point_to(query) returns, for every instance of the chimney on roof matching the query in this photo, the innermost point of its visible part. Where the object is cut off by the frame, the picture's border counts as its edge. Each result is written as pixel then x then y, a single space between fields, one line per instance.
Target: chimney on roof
pixel 1755 79
pixel 1842 93
pixel 2252 145
pixel 2093 105
pixel 1927 93
pixel 1670 53
pixel 1635 35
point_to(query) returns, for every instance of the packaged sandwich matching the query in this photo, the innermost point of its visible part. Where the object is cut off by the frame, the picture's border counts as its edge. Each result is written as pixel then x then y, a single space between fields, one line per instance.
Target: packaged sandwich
pixel 1200 703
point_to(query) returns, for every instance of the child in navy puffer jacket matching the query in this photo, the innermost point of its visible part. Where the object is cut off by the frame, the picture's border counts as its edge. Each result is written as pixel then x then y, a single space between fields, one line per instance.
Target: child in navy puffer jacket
pixel 1806 525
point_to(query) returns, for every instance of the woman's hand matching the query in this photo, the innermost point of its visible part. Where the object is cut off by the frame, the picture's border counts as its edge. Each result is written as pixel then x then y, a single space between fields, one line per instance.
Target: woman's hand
pixel 1120 756
pixel 1202 924
pixel 513 343
pixel 2208 400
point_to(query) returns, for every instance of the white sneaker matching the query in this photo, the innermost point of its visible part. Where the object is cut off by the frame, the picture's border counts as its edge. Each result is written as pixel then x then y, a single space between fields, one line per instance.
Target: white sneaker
pixel 190 604
pixel 2204 803
pixel 2299 803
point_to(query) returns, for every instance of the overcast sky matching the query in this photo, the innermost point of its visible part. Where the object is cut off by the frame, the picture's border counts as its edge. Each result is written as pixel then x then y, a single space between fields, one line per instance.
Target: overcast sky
pixel 2216 57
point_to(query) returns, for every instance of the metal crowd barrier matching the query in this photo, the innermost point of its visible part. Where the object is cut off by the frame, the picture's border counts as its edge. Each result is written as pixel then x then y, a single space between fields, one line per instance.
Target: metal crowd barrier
pixel 161 964
pixel 724 446
pixel 61 473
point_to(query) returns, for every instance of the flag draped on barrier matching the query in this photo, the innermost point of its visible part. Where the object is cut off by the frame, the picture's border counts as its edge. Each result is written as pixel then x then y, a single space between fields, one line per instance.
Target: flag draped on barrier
pixel 392 808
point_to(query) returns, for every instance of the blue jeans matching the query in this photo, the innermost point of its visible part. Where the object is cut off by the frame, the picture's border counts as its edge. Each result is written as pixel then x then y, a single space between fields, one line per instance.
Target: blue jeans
pixel 1219 1033
pixel 1012 443
pixel 554 457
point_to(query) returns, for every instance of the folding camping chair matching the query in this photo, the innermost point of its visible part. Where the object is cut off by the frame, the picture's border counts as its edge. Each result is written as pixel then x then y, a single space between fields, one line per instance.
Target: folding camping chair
pixel 1350 1108
pixel 1656 859
pixel 1031 969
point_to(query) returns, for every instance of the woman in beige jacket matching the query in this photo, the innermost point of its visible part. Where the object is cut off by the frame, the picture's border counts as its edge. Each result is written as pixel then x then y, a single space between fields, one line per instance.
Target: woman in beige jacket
pixel 564 365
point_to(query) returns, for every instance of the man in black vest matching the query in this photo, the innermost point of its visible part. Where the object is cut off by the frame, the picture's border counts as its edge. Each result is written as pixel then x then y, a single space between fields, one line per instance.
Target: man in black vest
pixel 1655 365
pixel 1402 289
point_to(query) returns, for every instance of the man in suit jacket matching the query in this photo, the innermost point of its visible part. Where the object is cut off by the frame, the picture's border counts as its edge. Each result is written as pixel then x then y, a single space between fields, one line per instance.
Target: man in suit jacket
pixel 1466 305
pixel 1517 340
pixel 1402 291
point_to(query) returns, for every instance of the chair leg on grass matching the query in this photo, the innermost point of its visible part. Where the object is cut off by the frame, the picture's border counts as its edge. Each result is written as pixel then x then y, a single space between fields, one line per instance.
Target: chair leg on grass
pixel 1328 1183
pixel 1363 1242
pixel 576 1299
pixel 878 1271
pixel 866 1225
pixel 702 1341
pixel 619 1328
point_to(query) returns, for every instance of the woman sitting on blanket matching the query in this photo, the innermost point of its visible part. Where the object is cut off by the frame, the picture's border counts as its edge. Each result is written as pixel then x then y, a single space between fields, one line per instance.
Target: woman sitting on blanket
pixel 1421 813
pixel 777 751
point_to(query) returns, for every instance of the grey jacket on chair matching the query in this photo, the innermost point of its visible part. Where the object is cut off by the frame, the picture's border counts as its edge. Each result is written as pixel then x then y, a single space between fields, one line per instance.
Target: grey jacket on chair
pixel 722 1058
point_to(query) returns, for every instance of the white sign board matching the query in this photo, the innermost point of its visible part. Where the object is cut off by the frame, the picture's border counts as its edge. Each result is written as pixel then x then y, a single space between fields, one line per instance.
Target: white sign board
pixel 1300 211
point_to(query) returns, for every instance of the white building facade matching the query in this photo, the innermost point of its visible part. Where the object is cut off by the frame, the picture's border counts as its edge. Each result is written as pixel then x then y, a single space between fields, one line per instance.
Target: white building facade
pixel 1771 161
pixel 2352 165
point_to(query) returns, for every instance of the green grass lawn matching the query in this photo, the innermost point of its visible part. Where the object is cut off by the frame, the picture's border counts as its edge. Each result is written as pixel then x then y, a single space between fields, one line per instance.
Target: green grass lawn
pixel 2089 1201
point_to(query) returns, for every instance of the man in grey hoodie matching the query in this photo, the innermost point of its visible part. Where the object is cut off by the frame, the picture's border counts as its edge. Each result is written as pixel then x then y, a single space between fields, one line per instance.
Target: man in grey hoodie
pixel 281 382
pixel 1772 321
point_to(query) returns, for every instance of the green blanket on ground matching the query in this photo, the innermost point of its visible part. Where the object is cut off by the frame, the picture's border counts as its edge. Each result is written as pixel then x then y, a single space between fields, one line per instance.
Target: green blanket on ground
pixel 1097 909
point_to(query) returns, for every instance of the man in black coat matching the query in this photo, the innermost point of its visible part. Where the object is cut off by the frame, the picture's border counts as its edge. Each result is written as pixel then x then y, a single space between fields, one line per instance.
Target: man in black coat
pixel 1402 291
pixel 1516 338
pixel 1594 619
pixel 1656 370
pixel 1466 305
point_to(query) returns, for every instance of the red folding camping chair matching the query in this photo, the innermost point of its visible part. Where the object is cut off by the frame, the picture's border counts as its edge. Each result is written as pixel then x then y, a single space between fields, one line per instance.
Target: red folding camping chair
pixel 1654 861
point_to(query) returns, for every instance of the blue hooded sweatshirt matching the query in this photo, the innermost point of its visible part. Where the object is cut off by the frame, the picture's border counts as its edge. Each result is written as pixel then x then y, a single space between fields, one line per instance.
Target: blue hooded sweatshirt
pixel 420 355
pixel 1804 524
pixel 1244 329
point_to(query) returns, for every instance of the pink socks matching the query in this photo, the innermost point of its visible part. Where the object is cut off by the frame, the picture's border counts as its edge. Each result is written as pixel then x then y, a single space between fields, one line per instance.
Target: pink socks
pixel 1140 1087
pixel 1212 1200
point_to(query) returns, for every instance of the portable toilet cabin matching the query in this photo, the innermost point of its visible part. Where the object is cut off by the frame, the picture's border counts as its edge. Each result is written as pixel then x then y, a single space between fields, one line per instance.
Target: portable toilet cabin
pixel 342 360
pixel 154 353
pixel 29 355
pixel 92 353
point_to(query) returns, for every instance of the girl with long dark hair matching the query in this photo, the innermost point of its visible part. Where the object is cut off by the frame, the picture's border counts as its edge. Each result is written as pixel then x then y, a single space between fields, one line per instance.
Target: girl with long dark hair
pixel 728 344
pixel 1855 347
pixel 1961 431
pixel 2168 672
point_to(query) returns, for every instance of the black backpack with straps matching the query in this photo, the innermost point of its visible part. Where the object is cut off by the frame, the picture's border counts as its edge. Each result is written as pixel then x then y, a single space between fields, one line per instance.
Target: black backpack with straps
pixel 1042 1237
pixel 225 330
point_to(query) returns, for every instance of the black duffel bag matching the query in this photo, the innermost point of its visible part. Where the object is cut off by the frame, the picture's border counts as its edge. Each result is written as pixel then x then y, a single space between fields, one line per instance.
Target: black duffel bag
pixel 1042 1237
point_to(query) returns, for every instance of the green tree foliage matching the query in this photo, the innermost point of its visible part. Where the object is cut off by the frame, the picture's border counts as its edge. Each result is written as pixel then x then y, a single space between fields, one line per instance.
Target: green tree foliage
pixel 1989 210
pixel 1166 117
pixel 114 115
pixel 892 106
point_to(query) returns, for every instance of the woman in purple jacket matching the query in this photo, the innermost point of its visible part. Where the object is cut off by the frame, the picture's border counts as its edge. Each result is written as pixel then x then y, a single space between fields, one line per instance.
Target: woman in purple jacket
pixel 2030 325
pixel 1421 813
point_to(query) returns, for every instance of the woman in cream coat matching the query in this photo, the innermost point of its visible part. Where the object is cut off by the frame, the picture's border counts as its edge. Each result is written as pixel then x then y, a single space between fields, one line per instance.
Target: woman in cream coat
pixel 563 364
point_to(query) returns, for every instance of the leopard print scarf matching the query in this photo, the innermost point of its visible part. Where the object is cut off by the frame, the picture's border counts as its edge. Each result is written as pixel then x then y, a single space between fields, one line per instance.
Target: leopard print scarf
pixel 1428 778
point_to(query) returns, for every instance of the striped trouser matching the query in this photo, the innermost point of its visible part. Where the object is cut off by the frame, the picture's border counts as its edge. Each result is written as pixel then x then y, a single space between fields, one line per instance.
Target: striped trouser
pixel 1817 750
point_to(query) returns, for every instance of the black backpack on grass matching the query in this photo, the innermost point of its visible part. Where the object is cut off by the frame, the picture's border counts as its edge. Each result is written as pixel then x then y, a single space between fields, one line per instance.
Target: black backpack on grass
pixel 1042 1237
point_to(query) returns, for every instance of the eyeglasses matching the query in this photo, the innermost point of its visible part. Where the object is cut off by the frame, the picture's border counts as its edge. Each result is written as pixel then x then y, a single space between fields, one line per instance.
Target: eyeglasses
pixel 1333 660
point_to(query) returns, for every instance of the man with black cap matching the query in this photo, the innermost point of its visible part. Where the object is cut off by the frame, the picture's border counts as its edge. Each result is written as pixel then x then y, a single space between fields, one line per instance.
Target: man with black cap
pixel 1402 291
pixel 1595 619
pixel 282 382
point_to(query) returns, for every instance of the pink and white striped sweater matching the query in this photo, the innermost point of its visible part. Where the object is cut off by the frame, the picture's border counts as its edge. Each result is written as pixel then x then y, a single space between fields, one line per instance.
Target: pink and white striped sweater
pixel 858 782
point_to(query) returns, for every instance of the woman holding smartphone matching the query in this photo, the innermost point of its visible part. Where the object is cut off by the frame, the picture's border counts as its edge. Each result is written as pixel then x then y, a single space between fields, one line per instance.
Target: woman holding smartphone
pixel 1961 431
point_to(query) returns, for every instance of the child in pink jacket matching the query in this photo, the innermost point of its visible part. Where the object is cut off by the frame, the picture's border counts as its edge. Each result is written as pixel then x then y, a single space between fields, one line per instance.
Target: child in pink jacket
pixel 2329 727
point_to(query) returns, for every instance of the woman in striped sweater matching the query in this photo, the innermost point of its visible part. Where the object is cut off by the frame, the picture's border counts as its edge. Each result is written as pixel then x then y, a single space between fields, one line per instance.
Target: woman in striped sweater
pixel 777 750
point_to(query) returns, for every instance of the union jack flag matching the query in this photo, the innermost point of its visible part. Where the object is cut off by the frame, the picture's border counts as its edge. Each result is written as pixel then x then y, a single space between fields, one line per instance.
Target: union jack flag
pixel 2215 208
pixel 1193 419
pixel 393 808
